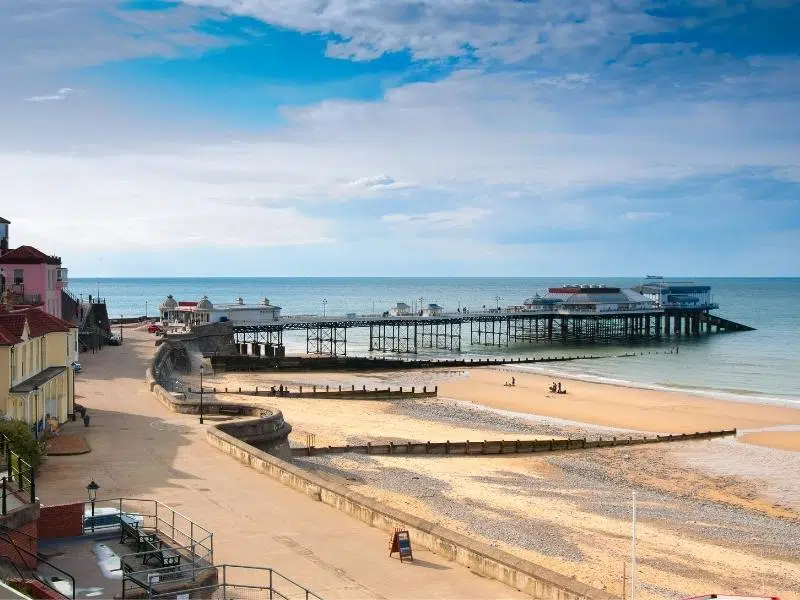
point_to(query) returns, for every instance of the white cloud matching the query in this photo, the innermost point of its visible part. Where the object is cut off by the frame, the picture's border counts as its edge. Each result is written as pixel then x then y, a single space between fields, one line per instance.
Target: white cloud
pixel 61 94
pixel 433 29
pixel 374 181
pixel 437 220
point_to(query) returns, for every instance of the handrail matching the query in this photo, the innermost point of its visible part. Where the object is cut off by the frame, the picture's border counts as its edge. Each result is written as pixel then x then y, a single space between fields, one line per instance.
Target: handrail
pixel 39 559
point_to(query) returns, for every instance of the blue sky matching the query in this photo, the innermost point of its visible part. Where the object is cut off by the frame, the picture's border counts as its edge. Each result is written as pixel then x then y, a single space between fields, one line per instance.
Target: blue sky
pixel 408 138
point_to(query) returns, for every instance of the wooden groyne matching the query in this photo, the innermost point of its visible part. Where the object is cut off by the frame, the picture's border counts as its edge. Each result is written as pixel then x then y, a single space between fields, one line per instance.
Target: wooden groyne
pixel 494 447
pixel 329 392
pixel 242 363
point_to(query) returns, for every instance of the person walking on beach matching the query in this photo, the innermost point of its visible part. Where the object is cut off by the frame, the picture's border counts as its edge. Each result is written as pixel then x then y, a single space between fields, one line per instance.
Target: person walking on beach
pixel 513 382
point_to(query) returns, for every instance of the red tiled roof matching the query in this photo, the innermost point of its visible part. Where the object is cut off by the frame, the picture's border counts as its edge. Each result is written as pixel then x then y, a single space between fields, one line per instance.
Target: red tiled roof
pixel 28 255
pixel 11 328
pixel 40 323
pixel 187 303
pixel 7 338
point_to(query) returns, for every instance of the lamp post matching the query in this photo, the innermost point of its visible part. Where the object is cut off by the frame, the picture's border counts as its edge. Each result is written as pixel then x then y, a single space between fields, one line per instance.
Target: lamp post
pixel 202 371
pixel 324 305
pixel 497 299
pixel 145 310
pixel 120 329
pixel 420 304
pixel 91 489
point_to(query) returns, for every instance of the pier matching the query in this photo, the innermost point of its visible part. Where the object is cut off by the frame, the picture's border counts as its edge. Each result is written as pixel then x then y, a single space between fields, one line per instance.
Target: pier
pixel 410 334
pixel 588 314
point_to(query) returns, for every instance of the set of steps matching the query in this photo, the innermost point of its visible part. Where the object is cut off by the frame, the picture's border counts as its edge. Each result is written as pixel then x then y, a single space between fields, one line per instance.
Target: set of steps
pixel 723 324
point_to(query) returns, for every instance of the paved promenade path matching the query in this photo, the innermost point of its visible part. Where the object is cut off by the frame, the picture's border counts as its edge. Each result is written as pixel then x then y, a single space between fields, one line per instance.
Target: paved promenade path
pixel 141 450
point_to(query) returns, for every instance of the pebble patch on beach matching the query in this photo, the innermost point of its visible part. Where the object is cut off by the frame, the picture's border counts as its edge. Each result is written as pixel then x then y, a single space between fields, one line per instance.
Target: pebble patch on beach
pixel 476 516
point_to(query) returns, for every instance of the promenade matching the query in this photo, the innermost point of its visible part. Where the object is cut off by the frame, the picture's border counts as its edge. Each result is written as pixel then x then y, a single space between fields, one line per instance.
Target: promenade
pixel 141 450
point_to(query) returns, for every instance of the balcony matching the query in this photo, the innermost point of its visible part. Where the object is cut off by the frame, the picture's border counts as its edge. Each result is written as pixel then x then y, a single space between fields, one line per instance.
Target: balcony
pixel 62 278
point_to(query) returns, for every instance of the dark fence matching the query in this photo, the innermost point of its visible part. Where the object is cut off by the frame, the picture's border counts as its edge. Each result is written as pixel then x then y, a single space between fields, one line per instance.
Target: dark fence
pixel 492 447
pixel 21 476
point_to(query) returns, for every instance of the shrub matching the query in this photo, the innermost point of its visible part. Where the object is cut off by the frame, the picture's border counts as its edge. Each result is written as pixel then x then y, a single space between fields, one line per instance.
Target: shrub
pixel 22 441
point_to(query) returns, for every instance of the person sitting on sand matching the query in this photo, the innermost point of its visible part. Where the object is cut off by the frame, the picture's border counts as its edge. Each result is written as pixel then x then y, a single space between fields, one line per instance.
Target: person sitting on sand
pixel 552 388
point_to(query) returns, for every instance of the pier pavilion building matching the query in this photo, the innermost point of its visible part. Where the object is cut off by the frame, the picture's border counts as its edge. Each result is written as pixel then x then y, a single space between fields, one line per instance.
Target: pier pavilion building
pixel 598 299
pixel 679 295
pixel 204 311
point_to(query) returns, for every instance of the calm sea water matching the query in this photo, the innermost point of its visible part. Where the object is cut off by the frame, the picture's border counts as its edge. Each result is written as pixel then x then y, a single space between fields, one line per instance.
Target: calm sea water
pixel 762 364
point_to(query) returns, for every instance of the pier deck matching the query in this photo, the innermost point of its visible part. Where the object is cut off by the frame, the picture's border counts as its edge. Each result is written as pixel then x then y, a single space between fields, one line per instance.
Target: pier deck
pixel 411 333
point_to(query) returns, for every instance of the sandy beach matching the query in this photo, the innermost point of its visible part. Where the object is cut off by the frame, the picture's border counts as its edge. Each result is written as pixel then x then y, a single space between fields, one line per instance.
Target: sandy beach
pixel 708 511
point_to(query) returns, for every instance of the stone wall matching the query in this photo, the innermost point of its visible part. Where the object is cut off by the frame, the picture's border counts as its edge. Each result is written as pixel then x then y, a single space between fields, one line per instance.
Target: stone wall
pixel 209 338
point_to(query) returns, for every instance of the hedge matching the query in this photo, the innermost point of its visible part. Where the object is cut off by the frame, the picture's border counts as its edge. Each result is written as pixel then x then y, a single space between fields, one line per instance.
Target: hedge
pixel 22 441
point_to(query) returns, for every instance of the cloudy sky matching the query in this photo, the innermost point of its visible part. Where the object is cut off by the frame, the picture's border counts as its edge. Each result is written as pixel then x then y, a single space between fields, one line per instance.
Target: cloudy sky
pixel 400 137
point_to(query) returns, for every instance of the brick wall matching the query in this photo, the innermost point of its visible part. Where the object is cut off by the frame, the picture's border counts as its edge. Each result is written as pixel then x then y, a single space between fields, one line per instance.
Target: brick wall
pixel 24 537
pixel 61 520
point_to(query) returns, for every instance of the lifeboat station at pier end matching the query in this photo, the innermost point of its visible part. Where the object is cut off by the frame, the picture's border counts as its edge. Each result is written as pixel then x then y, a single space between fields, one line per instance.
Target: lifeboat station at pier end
pixel 566 314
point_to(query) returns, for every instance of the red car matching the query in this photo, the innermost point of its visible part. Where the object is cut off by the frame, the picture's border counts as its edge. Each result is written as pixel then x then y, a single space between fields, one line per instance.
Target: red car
pixel 155 329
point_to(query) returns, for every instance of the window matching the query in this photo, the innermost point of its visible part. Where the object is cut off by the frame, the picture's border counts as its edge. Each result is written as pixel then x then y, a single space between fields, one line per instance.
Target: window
pixel 19 276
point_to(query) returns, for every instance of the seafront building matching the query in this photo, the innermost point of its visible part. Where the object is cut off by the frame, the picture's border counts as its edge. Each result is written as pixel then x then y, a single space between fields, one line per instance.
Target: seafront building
pixel 37 378
pixel 204 311
pixel 33 277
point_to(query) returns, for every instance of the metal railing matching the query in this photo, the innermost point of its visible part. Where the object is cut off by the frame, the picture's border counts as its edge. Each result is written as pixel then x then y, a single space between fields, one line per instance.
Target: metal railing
pixel 232 582
pixel 161 519
pixel 36 559
pixel 19 471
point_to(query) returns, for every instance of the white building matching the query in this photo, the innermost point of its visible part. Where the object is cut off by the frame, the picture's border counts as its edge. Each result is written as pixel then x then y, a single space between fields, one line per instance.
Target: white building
pixel 401 309
pixel 570 299
pixel 432 310
pixel 679 294
pixel 204 311
pixel 240 313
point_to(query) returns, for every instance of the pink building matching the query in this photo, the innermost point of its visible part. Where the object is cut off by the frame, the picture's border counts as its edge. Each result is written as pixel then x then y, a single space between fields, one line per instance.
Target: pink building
pixel 33 277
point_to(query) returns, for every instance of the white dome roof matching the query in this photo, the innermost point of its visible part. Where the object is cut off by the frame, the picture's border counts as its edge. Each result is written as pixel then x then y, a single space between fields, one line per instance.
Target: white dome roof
pixel 204 304
pixel 169 303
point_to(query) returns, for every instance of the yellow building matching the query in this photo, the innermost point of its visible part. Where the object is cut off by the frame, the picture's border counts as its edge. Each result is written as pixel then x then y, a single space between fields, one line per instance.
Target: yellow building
pixel 37 351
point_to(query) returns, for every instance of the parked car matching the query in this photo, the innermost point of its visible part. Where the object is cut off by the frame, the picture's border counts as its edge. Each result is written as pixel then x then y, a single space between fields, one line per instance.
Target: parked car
pixel 155 329
pixel 106 517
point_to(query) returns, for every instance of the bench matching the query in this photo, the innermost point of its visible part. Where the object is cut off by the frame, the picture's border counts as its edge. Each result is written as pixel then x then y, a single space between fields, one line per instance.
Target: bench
pixel 129 528
pixel 154 550
pixel 230 409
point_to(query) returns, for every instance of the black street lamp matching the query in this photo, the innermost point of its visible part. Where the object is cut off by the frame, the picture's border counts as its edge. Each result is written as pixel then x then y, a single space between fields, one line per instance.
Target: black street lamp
pixel 324 304
pixel 120 329
pixel 202 371
pixel 91 489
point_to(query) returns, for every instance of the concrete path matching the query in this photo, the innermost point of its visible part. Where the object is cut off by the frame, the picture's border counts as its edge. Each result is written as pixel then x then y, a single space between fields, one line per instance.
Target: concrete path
pixel 141 450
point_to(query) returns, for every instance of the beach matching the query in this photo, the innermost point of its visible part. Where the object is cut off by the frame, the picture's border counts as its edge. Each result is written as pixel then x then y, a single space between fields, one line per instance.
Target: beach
pixel 713 515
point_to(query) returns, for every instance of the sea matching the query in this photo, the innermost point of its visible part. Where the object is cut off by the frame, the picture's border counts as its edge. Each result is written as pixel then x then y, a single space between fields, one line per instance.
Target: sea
pixel 757 366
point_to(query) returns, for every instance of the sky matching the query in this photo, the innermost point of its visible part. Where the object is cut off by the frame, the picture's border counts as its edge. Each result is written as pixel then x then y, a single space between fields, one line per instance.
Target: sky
pixel 403 138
